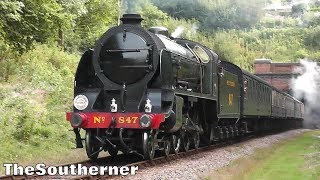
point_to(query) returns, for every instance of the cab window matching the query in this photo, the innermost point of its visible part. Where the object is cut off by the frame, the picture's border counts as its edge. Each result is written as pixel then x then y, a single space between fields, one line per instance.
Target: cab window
pixel 201 53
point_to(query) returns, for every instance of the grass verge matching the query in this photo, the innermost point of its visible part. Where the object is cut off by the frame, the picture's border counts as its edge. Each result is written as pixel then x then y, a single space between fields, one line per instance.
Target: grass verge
pixel 298 158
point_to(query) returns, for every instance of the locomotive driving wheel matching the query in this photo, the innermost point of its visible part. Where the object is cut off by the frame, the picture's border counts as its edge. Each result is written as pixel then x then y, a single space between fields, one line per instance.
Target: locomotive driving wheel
pixel 166 147
pixel 91 145
pixel 211 134
pixel 176 143
pixel 186 142
pixel 148 147
pixel 196 140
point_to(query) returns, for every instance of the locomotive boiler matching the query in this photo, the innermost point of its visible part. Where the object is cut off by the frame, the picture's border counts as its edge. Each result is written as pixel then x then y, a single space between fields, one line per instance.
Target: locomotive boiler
pixel 140 91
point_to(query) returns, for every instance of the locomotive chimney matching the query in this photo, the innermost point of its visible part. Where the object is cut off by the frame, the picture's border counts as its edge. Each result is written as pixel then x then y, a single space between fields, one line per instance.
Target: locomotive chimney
pixel 134 19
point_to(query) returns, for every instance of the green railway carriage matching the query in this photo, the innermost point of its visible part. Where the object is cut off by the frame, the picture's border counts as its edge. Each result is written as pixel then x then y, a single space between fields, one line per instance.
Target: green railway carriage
pixel 256 103
pixel 254 96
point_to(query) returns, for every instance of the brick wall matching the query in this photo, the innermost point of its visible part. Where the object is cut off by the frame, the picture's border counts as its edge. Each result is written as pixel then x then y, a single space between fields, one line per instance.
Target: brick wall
pixel 263 66
pixel 282 68
pixel 278 75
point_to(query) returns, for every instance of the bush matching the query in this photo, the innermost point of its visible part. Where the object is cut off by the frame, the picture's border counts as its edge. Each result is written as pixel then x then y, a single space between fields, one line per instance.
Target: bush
pixel 312 38
pixel 8 59
pixel 277 23
pixel 33 105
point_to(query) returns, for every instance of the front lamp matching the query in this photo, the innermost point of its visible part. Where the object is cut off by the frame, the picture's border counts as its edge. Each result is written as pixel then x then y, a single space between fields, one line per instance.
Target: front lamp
pixel 80 102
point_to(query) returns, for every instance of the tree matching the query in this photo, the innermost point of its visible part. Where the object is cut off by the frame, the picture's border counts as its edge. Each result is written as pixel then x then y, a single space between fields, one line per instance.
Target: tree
pixel 152 16
pixel 214 14
pixel 73 9
pixel 27 21
pixel 91 24
pixel 134 6
pixel 298 9
pixel 312 38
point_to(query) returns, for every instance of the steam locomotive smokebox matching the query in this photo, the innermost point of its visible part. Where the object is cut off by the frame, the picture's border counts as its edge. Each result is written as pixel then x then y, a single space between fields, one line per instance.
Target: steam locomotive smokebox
pixel 134 19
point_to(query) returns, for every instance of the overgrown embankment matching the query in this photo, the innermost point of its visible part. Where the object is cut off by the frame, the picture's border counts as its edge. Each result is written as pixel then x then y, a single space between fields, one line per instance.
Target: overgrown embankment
pixel 34 99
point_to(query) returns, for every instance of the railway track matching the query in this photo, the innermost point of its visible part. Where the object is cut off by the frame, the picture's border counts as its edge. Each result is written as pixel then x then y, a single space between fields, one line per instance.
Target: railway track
pixel 129 160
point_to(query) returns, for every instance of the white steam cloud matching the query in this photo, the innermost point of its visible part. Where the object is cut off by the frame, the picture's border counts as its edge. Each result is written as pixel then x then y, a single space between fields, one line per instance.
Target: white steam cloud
pixel 307 87
pixel 177 32
pixel 180 29
pixel 194 29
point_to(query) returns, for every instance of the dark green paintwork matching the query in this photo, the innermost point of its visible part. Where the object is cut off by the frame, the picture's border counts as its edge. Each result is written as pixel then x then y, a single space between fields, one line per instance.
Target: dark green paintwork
pixel 257 98
pixel 229 96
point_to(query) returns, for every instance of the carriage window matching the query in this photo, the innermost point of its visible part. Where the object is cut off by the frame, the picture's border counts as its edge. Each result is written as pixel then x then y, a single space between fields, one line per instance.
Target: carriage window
pixel 267 94
pixel 269 97
pixel 250 85
pixel 201 53
pixel 267 100
pixel 255 90
pixel 258 92
pixel 264 94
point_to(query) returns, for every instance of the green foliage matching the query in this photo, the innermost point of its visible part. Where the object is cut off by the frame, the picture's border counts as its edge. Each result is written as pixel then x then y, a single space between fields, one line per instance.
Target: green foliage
pixel 47 66
pixel 277 23
pixel 74 24
pixel 312 38
pixel 91 24
pixel 298 9
pixel 10 10
pixel 242 47
pixel 74 8
pixel 31 21
pixel 8 60
pixel 134 6
pixel 33 106
pixel 215 14
pixel 229 47
pixel 152 16
pixel 312 19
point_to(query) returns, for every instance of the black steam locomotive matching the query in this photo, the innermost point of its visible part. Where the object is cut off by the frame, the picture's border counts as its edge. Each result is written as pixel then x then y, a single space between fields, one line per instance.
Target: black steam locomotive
pixel 140 91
